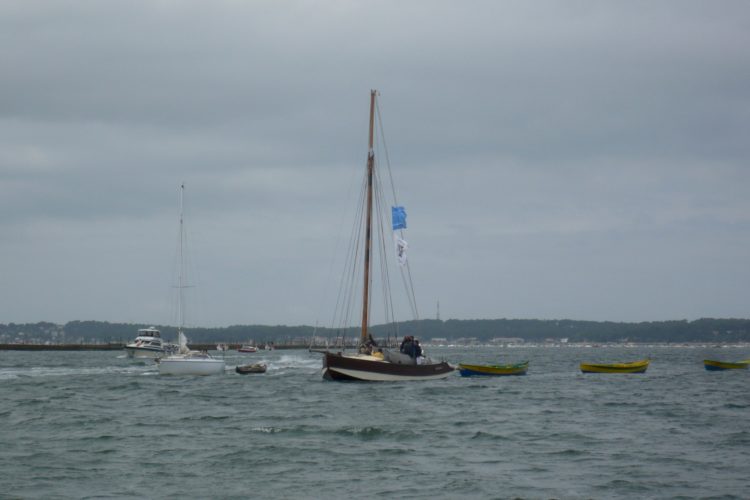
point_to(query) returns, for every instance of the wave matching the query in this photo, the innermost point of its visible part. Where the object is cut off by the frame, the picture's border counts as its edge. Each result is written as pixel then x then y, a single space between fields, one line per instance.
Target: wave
pixel 38 371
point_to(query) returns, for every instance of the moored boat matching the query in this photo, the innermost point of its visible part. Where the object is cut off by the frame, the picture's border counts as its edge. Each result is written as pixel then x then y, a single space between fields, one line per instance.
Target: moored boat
pixel 186 361
pixel 713 365
pixel 632 367
pixel 247 348
pixel 254 368
pixel 467 370
pixel 148 344
pixel 384 368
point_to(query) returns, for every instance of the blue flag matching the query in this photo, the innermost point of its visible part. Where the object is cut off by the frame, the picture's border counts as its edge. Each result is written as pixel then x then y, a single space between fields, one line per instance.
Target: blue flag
pixel 399 217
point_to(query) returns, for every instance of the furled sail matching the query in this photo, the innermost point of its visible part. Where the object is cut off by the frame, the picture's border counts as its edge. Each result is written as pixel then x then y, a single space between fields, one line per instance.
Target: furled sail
pixel 183 343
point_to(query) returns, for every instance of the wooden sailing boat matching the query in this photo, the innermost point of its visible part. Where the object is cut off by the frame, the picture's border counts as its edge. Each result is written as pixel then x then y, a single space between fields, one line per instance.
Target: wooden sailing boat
pixel 379 364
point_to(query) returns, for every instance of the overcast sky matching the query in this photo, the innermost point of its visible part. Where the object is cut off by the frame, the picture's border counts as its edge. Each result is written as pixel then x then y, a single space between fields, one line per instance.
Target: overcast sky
pixel 583 160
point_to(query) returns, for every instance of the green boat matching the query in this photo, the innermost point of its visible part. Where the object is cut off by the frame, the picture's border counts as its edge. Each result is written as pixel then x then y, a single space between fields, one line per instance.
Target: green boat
pixel 493 370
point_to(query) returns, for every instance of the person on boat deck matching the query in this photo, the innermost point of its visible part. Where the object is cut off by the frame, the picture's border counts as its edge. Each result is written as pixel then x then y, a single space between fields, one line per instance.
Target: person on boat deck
pixel 408 346
pixel 370 345
pixel 417 349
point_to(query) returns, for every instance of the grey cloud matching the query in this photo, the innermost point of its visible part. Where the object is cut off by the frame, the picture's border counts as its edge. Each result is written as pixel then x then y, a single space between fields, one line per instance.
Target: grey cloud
pixel 557 159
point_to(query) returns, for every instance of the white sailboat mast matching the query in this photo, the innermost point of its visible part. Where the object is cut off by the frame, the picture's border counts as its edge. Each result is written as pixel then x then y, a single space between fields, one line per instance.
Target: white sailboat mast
pixel 180 285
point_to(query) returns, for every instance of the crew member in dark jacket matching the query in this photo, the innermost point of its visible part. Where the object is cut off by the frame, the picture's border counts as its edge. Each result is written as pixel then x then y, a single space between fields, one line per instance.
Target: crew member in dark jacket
pixel 407 346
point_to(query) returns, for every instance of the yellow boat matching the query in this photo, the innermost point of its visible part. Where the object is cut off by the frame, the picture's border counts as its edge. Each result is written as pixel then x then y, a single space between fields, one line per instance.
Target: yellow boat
pixel 634 367
pixel 712 365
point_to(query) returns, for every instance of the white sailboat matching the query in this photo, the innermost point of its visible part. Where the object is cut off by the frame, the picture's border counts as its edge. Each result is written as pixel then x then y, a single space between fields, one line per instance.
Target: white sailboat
pixel 186 361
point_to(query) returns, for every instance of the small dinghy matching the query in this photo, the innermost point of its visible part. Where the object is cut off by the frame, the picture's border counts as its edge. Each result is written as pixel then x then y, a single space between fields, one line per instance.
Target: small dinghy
pixel 713 365
pixel 634 367
pixel 254 368
pixel 493 370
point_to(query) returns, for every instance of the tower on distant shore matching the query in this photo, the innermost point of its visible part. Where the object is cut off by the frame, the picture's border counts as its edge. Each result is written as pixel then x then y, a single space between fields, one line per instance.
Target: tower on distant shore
pixel 438 310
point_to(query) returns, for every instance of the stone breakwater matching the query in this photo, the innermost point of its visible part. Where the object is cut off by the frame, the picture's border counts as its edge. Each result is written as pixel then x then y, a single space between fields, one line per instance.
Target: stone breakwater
pixel 118 346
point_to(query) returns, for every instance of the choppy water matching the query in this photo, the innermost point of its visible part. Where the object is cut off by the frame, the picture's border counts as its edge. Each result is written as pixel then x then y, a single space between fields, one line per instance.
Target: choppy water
pixel 95 424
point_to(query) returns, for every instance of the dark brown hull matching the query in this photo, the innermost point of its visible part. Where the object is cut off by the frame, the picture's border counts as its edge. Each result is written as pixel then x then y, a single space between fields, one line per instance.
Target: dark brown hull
pixel 353 368
pixel 244 370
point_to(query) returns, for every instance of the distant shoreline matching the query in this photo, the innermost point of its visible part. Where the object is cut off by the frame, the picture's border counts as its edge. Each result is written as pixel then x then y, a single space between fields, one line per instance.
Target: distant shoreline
pixel 289 346
pixel 119 347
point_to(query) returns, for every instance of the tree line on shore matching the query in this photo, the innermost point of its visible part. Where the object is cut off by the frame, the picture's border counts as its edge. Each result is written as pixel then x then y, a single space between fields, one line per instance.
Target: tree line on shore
pixel 530 330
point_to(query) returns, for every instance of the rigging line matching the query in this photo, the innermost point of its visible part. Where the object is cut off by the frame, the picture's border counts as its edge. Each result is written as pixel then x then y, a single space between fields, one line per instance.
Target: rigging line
pixel 410 287
pixel 411 283
pixel 385 150
pixel 389 312
pixel 382 138
pixel 386 253
pixel 183 265
pixel 381 261
pixel 350 261
pixel 350 277
pixel 351 295
pixel 330 280
pixel 192 315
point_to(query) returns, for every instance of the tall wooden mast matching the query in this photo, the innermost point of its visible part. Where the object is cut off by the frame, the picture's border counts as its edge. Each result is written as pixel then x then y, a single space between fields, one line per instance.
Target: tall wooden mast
pixel 368 224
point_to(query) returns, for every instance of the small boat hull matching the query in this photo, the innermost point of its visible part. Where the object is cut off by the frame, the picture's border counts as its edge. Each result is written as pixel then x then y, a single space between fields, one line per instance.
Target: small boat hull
pixel 364 368
pixel 175 365
pixel 634 367
pixel 493 370
pixel 246 369
pixel 712 365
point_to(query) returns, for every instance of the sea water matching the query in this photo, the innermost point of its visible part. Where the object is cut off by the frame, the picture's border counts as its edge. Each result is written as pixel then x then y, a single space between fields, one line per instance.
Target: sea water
pixel 99 425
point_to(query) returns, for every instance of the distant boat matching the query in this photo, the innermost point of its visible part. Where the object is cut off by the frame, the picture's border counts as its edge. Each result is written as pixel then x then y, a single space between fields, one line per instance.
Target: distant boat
pixel 633 367
pixel 185 361
pixel 370 362
pixel 493 370
pixel 254 368
pixel 148 344
pixel 712 365
pixel 189 362
pixel 247 348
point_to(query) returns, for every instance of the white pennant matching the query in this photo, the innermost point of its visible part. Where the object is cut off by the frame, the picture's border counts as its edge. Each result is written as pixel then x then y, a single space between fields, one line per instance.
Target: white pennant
pixel 401 247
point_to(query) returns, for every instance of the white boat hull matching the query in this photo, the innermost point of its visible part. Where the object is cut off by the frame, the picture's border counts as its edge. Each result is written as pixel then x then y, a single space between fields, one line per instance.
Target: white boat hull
pixel 139 352
pixel 186 366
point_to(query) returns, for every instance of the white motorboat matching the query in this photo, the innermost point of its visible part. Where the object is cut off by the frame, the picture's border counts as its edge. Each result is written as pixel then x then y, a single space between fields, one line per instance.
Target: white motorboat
pixel 148 344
